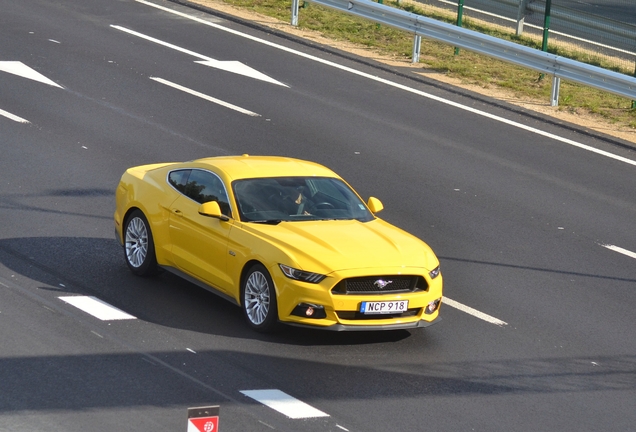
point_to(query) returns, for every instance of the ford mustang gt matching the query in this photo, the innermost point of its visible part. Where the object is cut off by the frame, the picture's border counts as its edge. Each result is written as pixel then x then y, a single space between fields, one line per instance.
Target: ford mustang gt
pixel 286 240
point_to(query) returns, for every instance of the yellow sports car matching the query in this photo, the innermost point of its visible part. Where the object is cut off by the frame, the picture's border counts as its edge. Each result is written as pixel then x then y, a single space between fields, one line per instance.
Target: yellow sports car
pixel 285 239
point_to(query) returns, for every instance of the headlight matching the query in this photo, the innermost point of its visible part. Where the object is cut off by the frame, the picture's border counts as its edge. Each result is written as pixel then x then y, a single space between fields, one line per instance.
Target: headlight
pixel 434 273
pixel 301 275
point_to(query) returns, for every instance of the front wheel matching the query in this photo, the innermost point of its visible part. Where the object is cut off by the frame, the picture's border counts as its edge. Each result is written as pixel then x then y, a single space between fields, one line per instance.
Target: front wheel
pixel 258 299
pixel 139 246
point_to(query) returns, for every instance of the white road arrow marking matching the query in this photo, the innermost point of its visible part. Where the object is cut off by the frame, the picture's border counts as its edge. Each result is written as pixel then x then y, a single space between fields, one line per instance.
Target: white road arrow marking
pixel 239 68
pixel 229 66
pixel 20 69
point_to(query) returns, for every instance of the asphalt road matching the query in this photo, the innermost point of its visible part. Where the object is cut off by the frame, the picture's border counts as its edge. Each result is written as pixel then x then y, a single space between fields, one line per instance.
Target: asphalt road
pixel 619 10
pixel 532 221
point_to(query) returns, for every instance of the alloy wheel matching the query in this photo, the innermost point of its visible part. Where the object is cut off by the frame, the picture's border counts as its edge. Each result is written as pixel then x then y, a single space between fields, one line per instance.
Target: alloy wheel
pixel 136 242
pixel 257 298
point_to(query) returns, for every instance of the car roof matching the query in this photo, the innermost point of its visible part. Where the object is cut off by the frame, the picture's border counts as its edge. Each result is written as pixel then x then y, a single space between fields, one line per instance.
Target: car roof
pixel 247 166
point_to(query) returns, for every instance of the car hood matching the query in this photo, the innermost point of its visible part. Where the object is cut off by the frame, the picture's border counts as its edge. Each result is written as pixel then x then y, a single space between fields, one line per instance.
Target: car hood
pixel 326 246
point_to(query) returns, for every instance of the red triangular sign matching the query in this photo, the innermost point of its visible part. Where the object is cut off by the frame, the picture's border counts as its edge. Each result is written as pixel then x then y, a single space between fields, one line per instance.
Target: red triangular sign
pixel 205 424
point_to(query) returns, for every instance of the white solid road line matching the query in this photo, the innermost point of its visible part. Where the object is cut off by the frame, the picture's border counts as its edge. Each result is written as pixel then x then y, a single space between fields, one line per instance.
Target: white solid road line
pixel 621 250
pixel 399 86
pixel 284 403
pixel 13 117
pixel 473 312
pixel 206 97
pixel 97 308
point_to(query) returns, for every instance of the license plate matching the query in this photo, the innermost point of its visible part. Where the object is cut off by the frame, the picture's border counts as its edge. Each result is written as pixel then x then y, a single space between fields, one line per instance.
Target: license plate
pixel 384 307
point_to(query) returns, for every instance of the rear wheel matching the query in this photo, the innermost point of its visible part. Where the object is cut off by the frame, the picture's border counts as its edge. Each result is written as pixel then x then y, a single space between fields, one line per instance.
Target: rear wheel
pixel 258 299
pixel 139 247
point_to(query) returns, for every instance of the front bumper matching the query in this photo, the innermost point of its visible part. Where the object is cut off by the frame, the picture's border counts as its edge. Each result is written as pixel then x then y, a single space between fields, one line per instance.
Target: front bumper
pixel 342 311
pixel 347 327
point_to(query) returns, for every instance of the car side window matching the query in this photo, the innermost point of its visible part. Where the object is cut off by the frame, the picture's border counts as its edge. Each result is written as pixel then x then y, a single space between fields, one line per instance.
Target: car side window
pixel 178 179
pixel 203 186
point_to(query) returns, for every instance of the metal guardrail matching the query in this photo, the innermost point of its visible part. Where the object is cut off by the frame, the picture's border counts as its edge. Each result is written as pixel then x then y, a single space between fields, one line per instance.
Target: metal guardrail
pixel 546 63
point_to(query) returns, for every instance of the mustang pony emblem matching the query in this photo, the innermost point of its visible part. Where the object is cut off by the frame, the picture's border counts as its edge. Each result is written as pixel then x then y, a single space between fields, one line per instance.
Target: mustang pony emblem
pixel 381 284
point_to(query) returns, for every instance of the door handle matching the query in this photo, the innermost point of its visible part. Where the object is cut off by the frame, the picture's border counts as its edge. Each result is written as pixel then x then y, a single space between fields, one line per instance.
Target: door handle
pixel 177 212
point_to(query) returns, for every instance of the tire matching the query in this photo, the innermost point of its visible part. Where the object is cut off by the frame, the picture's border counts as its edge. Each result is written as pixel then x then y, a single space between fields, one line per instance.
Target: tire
pixel 139 247
pixel 258 299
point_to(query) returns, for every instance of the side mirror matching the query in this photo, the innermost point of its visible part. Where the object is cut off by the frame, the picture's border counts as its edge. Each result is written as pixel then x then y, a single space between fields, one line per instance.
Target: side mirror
pixel 375 205
pixel 212 209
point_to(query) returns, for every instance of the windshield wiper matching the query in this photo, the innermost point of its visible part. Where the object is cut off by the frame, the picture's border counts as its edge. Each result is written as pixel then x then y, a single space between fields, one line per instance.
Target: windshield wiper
pixel 266 221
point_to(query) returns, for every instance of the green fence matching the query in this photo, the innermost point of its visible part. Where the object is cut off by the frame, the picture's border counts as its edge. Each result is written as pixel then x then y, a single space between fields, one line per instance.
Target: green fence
pixel 599 32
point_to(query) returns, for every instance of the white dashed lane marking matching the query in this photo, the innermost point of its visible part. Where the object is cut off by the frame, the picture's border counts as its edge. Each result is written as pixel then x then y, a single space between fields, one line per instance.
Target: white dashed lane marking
pixel 621 250
pixel 13 117
pixel 97 308
pixel 473 312
pixel 275 398
pixel 284 403
pixel 206 97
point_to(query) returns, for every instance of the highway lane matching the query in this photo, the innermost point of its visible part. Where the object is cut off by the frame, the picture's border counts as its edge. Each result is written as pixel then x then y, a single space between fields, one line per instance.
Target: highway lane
pixel 603 12
pixel 618 10
pixel 518 220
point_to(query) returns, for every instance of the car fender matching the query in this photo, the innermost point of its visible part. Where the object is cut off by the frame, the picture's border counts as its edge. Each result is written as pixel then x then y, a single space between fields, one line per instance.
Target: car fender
pixel 245 248
pixel 132 193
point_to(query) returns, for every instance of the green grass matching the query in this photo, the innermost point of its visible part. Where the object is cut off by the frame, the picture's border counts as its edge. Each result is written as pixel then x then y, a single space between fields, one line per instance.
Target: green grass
pixel 469 67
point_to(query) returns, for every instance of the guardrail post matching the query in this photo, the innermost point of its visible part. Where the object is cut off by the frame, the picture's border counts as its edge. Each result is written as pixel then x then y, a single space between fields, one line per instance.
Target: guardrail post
pixel 294 8
pixel 417 44
pixel 521 16
pixel 554 96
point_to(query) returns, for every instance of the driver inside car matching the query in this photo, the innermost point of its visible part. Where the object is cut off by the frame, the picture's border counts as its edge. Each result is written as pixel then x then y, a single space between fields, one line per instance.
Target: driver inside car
pixel 297 203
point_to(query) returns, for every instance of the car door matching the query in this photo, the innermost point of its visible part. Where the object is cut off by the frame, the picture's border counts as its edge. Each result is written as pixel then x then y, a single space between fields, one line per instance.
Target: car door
pixel 200 243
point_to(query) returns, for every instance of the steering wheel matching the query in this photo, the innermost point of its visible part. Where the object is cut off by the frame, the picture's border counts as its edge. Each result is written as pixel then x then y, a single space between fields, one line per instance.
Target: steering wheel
pixel 325 205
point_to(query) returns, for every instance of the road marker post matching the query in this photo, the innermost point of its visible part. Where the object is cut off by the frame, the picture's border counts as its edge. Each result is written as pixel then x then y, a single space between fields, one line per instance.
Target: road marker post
pixel 203 419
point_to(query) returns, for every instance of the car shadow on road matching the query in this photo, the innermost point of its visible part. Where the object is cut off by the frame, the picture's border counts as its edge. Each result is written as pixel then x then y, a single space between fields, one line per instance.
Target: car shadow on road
pixel 96 267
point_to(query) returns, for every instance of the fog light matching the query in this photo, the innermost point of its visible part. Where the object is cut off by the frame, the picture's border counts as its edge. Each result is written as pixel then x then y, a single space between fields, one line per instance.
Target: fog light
pixel 432 306
pixel 307 310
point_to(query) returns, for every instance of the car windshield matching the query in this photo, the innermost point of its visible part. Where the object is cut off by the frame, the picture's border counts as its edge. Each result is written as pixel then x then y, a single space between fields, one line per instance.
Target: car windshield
pixel 274 200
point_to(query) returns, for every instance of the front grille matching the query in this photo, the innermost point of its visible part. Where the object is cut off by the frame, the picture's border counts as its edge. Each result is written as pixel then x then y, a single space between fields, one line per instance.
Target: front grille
pixel 380 285
pixel 355 315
